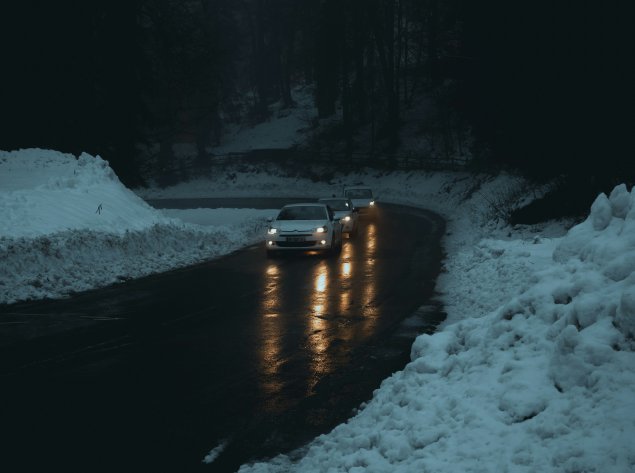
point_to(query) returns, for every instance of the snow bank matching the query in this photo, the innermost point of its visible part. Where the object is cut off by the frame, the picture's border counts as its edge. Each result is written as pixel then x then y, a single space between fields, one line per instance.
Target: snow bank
pixel 543 382
pixel 67 224
pixel 43 192
pixel 598 257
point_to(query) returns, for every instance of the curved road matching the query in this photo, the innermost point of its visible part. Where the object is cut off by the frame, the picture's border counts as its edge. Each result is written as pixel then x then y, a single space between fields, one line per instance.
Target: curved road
pixel 258 354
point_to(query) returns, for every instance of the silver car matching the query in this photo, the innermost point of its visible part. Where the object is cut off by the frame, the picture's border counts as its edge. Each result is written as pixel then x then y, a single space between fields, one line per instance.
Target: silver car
pixel 345 212
pixel 361 196
pixel 310 226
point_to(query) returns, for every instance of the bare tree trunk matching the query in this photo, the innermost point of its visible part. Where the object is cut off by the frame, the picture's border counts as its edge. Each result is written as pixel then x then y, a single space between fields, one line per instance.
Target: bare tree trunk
pixel 384 37
pixel 285 77
pixel 347 111
pixel 398 59
pixel 433 39
pixel 371 68
pixel 360 36
pixel 327 59
pixel 260 59
pixel 406 52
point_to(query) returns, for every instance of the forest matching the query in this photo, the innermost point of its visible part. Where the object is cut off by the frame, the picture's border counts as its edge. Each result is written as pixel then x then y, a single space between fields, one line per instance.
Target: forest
pixel 544 88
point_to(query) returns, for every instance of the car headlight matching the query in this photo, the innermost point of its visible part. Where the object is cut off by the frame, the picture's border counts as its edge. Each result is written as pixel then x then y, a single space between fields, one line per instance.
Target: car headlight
pixel 347 218
pixel 272 231
pixel 372 202
pixel 320 230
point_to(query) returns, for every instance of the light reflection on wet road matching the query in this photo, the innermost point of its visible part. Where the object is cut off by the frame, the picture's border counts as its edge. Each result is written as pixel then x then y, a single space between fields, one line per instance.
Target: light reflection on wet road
pixel 260 353
pixel 329 305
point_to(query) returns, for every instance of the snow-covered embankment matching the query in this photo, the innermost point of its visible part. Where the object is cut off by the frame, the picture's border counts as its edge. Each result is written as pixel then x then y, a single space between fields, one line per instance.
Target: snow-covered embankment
pixel 68 224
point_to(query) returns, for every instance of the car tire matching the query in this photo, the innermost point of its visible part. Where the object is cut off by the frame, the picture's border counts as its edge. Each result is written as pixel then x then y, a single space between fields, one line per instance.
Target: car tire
pixel 333 249
pixel 336 245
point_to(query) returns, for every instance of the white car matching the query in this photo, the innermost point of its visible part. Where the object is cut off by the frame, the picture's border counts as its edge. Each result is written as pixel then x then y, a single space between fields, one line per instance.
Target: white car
pixel 345 211
pixel 310 226
pixel 361 196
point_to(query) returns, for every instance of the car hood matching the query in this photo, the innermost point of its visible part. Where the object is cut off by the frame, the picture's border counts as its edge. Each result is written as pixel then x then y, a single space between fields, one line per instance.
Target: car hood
pixel 365 202
pixel 298 225
pixel 341 213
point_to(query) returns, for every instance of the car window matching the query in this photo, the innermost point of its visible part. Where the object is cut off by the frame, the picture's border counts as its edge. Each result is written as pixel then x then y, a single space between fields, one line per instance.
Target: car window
pixel 359 193
pixel 302 213
pixel 336 204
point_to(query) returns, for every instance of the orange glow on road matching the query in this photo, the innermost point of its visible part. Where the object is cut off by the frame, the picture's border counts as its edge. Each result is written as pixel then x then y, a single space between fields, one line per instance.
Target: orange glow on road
pixel 270 330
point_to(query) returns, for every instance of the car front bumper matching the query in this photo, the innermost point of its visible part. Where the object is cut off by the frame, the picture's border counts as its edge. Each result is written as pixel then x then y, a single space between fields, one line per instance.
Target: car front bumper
pixel 315 241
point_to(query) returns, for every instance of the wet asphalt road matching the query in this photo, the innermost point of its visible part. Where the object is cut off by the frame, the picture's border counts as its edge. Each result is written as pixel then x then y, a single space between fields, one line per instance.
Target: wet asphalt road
pixel 259 354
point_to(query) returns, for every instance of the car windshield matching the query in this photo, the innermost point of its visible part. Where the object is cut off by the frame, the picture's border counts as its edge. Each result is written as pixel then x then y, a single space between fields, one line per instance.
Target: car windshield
pixel 336 204
pixel 303 213
pixel 359 193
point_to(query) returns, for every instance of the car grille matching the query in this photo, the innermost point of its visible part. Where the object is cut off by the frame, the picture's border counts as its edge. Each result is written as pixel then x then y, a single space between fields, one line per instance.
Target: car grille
pixel 295 244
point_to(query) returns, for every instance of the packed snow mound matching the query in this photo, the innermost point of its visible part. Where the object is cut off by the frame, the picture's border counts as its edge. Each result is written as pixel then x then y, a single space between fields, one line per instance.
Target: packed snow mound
pixel 603 247
pixel 544 382
pixel 32 168
pixel 68 224
pixel 44 191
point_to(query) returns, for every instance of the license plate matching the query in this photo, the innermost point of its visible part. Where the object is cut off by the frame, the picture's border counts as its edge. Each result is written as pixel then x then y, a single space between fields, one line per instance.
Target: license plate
pixel 296 239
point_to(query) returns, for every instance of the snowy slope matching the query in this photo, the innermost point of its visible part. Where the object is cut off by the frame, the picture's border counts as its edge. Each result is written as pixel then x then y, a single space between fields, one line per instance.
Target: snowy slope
pixel 67 224
pixel 286 128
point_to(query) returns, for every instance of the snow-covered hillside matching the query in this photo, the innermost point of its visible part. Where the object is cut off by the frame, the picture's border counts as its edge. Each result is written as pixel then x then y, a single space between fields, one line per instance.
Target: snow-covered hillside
pixel 67 224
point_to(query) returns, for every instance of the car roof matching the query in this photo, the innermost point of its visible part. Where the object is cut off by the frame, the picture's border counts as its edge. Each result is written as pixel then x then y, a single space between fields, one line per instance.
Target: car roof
pixel 333 198
pixel 305 204
pixel 357 187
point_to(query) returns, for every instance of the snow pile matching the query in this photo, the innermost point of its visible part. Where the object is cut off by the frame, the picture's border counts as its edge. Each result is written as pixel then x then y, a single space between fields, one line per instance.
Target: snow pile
pixel 544 382
pixel 67 224
pixel 43 192
pixel 602 249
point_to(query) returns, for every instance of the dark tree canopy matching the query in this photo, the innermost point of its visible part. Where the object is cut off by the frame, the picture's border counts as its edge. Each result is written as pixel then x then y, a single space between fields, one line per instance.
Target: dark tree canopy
pixel 69 78
pixel 543 87
pixel 551 85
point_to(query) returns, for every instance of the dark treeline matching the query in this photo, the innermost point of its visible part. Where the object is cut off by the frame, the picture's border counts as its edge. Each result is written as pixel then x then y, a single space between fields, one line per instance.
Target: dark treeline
pixel 558 79
pixel 68 75
pixel 543 87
